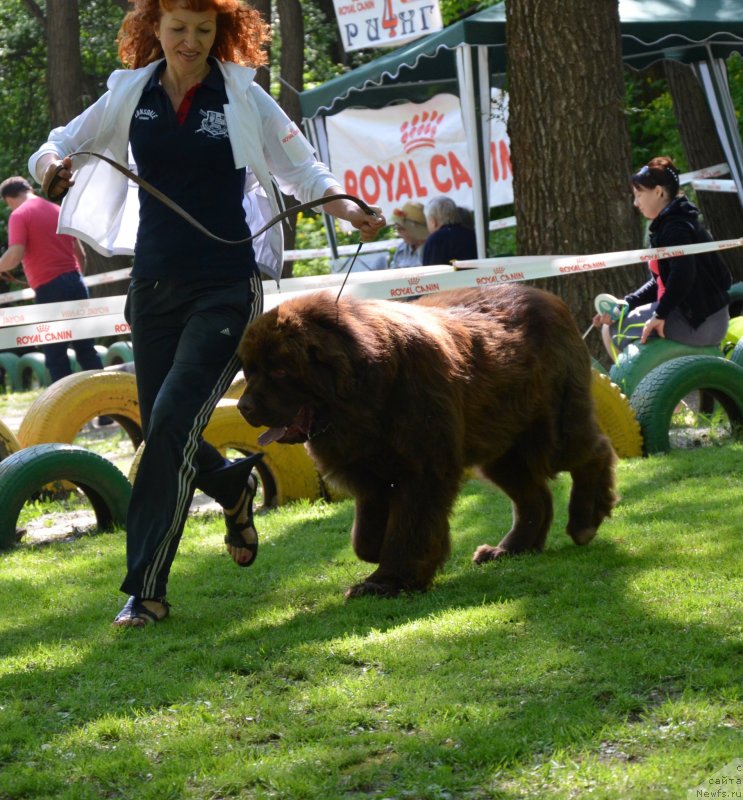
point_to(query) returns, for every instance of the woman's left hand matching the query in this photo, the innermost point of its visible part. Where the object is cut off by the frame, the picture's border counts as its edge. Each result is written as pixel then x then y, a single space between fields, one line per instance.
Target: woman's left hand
pixel 653 325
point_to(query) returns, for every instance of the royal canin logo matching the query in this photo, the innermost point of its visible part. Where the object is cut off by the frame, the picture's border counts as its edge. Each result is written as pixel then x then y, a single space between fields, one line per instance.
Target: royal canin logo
pixel 420 131
pixel 43 328
pixel 413 281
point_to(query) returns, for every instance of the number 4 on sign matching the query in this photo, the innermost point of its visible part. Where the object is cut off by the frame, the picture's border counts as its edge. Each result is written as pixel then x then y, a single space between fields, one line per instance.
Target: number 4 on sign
pixel 389 18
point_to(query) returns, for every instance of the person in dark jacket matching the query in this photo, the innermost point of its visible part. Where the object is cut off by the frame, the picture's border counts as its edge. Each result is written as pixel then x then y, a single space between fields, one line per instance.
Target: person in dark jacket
pixel 686 297
pixel 449 239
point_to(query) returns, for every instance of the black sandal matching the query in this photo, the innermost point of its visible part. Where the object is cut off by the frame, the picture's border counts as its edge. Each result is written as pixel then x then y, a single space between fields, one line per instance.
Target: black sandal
pixel 235 530
pixel 136 615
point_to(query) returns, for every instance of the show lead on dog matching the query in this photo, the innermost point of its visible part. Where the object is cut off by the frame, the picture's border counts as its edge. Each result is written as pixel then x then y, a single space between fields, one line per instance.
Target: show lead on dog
pixel 686 297
pixel 207 136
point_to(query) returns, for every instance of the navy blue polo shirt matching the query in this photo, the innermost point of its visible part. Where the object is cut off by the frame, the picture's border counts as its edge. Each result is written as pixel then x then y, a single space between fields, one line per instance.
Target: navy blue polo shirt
pixel 191 162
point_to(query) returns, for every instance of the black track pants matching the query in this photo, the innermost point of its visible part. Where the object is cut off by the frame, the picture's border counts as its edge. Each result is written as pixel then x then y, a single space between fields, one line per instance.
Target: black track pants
pixel 184 338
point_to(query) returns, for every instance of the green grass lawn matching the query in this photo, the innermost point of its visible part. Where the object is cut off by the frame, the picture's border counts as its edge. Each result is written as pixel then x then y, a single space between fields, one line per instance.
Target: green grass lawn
pixel 610 671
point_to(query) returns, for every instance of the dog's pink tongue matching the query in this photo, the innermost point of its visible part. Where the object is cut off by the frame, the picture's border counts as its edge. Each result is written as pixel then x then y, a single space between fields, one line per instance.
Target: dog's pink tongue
pixel 271 435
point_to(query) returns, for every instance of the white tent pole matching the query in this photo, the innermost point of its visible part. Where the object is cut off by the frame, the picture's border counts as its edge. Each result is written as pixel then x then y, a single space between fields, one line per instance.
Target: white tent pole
pixel 466 78
pixel 713 77
pixel 314 128
pixel 486 111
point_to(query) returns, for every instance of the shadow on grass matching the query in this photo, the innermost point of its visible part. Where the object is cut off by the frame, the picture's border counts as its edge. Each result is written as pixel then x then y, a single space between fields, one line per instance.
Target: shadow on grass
pixel 564 643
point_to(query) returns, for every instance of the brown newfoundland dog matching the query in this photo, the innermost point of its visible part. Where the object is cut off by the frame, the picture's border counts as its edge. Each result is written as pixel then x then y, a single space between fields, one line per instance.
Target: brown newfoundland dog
pixel 395 400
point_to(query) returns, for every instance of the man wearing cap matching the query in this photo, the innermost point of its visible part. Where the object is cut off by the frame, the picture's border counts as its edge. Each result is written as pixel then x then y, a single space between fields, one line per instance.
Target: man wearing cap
pixel 410 226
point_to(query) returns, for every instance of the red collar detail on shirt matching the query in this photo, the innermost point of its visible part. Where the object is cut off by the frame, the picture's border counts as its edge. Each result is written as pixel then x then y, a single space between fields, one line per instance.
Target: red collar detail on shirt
pixel 185 105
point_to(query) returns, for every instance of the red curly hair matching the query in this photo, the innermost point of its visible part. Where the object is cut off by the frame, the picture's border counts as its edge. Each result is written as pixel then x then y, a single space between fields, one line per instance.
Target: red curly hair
pixel 241 32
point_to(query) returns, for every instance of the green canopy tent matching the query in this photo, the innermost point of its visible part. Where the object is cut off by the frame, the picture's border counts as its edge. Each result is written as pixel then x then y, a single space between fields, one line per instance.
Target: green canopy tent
pixel 469 57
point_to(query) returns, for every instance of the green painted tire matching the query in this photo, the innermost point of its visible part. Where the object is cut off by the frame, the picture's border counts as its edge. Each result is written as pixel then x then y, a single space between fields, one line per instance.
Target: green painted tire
pixel 118 353
pixel 10 375
pixel 637 360
pixel 735 292
pixel 33 372
pixel 599 367
pixel 26 472
pixel 659 392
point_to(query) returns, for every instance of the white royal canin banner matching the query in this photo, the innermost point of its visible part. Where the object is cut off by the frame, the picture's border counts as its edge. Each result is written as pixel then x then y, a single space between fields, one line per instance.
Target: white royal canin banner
pixel 385 23
pixel 415 151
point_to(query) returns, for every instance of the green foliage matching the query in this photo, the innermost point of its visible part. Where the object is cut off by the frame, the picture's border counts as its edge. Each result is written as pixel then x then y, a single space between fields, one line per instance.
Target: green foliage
pixel 651 120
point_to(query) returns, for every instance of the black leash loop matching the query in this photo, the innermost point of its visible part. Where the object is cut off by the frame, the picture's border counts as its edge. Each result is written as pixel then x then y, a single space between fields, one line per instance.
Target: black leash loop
pixel 173 206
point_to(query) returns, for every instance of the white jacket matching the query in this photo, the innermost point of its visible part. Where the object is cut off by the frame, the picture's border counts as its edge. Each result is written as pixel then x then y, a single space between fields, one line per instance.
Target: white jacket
pixel 102 208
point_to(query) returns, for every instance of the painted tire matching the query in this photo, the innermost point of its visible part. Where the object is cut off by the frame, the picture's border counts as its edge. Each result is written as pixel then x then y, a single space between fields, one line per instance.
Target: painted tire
pixel 736 354
pixel 286 470
pixel 118 353
pixel 599 367
pixel 733 334
pixel 735 292
pixel 25 472
pixel 32 371
pixel 59 412
pixel 660 391
pixel 8 442
pixel 616 416
pixel 10 375
pixel 237 387
pixel 637 360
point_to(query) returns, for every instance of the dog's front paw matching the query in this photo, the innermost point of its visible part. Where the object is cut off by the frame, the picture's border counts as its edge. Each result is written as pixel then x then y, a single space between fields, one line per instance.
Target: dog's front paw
pixel 486 552
pixel 376 588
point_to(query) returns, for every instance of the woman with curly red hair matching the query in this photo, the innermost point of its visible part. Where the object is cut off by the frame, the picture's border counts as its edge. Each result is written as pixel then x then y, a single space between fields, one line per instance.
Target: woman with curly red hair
pixel 190 117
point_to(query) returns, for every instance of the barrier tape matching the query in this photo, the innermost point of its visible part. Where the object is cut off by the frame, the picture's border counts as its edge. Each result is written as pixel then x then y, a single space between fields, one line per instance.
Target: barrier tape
pixel 709 185
pixel 378 246
pixel 41 324
pixel 706 172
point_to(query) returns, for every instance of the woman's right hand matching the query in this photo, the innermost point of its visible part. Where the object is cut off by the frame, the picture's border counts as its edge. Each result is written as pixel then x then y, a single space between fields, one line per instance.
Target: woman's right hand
pixel 57 178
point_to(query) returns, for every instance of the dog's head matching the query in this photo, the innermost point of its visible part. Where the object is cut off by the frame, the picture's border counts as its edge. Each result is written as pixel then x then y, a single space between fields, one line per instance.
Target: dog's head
pixel 298 361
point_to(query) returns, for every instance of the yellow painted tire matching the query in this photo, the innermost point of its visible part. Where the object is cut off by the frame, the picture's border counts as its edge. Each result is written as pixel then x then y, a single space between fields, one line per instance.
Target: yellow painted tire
pixel 237 387
pixel 616 417
pixel 286 470
pixel 60 411
pixel 8 442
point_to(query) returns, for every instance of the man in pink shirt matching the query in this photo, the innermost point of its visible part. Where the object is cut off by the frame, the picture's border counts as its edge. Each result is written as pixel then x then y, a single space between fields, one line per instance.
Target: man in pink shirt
pixel 51 263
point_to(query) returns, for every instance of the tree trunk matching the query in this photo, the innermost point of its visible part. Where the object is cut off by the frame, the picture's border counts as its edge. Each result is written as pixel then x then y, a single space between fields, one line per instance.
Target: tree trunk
pixel 263 76
pixel 570 145
pixel 723 214
pixel 292 57
pixel 64 65
pixel 292 67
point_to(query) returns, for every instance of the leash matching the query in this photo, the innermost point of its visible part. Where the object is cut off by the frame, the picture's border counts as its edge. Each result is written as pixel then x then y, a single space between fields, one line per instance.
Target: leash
pixel 181 212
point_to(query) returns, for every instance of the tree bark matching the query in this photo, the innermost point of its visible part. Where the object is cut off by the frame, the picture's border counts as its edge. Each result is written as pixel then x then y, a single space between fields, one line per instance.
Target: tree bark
pixel 292 57
pixel 723 214
pixel 64 64
pixel 291 69
pixel 570 146
pixel 263 76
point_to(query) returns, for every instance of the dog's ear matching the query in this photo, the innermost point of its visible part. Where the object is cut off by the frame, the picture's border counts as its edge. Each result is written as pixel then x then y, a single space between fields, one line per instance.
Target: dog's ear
pixel 335 360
